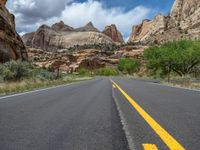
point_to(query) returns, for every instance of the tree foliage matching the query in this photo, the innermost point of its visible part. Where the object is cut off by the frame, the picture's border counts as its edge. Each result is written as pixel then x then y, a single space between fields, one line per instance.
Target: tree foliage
pixel 180 57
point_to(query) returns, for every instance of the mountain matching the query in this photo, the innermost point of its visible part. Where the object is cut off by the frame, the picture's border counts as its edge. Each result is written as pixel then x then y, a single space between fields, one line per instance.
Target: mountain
pixel 114 34
pixel 88 27
pixel 11 45
pixel 60 26
pixel 182 23
pixel 61 36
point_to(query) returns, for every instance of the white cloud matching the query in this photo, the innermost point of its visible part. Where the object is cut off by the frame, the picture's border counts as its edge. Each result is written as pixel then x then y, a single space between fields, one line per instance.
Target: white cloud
pixel 79 14
pixel 75 14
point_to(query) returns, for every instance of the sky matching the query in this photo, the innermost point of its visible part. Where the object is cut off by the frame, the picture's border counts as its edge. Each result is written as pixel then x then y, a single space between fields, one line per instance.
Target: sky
pixel 30 14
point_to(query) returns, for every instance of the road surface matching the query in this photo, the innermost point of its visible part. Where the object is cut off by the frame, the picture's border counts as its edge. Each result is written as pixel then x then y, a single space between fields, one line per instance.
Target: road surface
pixel 101 114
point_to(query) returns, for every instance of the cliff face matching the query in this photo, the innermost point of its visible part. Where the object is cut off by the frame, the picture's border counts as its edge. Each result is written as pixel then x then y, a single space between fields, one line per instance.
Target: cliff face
pixel 148 28
pixel 11 45
pixel 186 13
pixel 61 36
pixel 114 34
pixel 183 22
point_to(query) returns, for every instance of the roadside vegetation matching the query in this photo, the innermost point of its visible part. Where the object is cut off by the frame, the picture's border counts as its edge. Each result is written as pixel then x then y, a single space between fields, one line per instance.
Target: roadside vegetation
pixel 19 76
pixel 178 62
pixel 128 65
pixel 107 71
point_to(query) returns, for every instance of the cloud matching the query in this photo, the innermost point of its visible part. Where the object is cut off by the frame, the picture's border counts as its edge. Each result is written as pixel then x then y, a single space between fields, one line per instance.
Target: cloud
pixel 32 13
pixel 78 14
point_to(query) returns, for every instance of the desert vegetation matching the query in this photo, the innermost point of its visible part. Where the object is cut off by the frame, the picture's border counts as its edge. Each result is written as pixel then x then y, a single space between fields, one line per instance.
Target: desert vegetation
pixel 19 76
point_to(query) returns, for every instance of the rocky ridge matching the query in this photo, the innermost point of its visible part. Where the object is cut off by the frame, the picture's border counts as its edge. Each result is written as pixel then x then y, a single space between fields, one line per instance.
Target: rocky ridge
pixel 114 34
pixel 60 36
pixel 182 23
pixel 11 45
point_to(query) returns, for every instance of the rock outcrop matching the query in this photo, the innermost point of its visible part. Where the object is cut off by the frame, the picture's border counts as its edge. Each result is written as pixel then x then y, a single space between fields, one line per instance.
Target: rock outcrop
pixel 182 23
pixel 88 27
pixel 148 28
pixel 11 45
pixel 86 58
pixel 60 36
pixel 186 14
pixel 114 34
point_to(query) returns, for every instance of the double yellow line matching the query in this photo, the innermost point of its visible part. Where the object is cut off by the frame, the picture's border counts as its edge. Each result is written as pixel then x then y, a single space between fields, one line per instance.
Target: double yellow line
pixel 161 132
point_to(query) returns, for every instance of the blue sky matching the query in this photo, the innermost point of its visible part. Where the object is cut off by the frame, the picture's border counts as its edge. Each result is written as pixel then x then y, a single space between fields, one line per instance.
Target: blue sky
pixel 163 6
pixel 30 14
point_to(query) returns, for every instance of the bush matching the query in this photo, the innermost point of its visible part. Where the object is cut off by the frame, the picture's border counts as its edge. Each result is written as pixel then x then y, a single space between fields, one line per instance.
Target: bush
pixel 47 75
pixel 180 57
pixel 106 72
pixel 84 72
pixel 128 65
pixel 16 70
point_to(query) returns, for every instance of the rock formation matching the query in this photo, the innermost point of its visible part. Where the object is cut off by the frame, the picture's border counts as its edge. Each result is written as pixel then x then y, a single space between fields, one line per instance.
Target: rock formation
pixel 60 36
pixel 87 27
pixel 183 22
pixel 11 45
pixel 186 13
pixel 114 34
pixel 86 58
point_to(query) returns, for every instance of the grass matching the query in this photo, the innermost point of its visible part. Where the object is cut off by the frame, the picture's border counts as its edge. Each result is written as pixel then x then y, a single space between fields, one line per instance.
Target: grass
pixel 183 82
pixel 33 84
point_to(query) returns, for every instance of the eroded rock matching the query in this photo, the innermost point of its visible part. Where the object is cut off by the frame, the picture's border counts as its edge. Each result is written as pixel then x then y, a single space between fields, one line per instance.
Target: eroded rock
pixel 11 45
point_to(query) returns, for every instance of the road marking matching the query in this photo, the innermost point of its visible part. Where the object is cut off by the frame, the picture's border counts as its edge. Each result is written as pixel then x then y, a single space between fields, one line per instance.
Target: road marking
pixel 114 86
pixel 161 132
pixel 150 147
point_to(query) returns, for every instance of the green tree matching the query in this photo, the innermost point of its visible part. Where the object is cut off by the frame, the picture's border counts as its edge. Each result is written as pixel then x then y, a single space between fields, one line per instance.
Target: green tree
pixel 180 57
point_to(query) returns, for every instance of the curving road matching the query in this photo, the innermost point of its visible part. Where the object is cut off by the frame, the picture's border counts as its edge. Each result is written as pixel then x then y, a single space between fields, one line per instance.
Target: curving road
pixel 88 116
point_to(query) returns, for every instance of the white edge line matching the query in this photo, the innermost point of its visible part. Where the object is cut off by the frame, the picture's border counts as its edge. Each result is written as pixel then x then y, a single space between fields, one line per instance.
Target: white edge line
pixel 40 90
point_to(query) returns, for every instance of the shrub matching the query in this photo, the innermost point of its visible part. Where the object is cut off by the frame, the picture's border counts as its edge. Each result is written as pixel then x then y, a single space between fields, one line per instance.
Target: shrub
pixel 84 72
pixel 107 71
pixel 16 70
pixel 128 65
pixel 47 75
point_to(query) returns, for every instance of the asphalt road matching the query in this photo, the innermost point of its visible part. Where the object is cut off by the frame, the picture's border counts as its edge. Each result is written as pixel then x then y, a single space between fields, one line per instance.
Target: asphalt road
pixel 176 110
pixel 88 116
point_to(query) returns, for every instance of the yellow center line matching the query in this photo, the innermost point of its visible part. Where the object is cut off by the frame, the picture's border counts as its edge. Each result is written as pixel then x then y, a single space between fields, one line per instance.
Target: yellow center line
pixel 114 86
pixel 150 147
pixel 161 132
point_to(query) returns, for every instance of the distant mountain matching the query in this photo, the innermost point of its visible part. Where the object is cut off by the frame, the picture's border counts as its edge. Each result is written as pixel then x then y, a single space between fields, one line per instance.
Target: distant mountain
pixel 113 33
pixel 11 45
pixel 61 36
pixel 182 23
pixel 88 27
pixel 60 26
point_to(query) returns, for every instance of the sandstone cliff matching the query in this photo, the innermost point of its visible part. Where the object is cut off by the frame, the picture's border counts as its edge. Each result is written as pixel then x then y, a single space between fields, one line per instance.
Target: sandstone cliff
pixel 61 36
pixel 114 34
pixel 11 45
pixel 183 22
